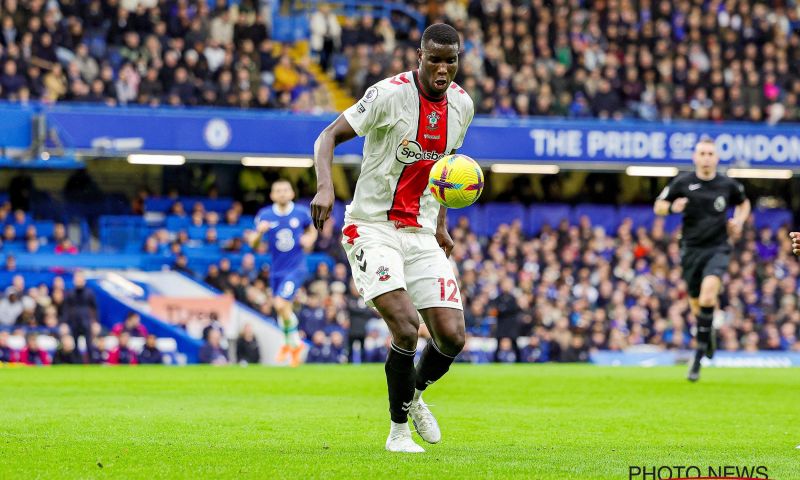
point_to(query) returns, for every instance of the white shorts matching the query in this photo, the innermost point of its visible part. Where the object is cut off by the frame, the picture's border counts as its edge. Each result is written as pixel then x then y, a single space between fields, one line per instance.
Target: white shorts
pixel 384 258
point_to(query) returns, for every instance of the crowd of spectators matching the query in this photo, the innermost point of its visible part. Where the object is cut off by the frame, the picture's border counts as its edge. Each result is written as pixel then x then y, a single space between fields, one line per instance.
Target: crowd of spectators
pixel 150 53
pixel 570 290
pixel 21 234
pixel 558 296
pixel 60 326
pixel 653 59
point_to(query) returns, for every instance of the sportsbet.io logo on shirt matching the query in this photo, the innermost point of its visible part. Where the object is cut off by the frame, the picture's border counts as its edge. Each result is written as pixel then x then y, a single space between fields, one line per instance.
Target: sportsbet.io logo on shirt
pixel 410 151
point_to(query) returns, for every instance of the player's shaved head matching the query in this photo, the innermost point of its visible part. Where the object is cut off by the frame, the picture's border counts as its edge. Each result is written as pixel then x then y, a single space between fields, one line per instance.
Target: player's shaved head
pixel 441 34
pixel 438 59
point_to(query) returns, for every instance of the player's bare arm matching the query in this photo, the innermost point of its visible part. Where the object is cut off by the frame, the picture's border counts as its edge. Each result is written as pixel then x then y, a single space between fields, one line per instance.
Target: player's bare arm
pixel 308 238
pixel 665 207
pixel 334 134
pixel 442 235
pixel 740 214
pixel 255 238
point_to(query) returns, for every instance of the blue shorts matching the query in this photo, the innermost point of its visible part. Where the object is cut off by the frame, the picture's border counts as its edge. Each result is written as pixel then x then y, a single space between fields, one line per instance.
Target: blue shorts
pixel 286 284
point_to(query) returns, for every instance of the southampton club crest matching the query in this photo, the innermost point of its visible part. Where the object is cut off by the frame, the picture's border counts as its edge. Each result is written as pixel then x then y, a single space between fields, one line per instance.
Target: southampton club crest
pixel 383 274
pixel 433 121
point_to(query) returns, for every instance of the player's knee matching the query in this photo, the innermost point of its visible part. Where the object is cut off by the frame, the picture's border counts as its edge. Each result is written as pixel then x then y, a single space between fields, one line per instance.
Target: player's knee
pixel 707 301
pixel 453 343
pixel 708 295
pixel 405 336
pixel 282 305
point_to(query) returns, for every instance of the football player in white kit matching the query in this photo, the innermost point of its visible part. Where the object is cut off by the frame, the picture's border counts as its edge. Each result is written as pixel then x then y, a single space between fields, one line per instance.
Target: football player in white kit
pixel 395 233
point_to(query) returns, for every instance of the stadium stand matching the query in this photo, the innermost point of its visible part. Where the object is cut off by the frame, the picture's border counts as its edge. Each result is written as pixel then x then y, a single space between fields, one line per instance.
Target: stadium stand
pixel 718 60
pixel 585 276
pixel 599 277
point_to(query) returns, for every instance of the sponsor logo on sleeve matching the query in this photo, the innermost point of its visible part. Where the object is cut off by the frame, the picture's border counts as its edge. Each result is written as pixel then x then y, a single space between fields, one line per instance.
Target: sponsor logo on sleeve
pixel 370 95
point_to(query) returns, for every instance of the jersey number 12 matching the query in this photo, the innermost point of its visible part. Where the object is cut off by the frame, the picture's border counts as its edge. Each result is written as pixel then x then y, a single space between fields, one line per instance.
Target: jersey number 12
pixel 450 284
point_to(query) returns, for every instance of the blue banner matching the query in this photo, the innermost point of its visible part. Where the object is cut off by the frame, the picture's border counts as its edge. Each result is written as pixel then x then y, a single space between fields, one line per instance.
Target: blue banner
pixel 762 359
pixel 229 132
pixel 15 126
pixel 626 142
pixel 180 130
pixel 639 359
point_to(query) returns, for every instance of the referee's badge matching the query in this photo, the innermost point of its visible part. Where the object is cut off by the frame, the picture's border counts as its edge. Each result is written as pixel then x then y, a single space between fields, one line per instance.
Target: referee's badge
pixel 720 204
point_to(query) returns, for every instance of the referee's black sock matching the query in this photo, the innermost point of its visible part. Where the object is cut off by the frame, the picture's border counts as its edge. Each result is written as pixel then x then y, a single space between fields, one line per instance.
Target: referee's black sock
pixel 433 364
pixel 400 379
pixel 704 321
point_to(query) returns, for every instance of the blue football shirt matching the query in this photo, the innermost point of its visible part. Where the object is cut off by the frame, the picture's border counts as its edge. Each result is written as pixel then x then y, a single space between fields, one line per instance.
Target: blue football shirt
pixel 284 235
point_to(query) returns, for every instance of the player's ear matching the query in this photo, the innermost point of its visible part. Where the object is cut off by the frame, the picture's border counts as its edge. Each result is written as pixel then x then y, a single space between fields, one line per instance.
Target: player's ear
pixel 419 56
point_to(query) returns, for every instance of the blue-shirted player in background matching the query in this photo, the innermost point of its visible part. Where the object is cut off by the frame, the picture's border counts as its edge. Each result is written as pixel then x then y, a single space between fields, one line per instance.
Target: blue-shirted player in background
pixel 290 232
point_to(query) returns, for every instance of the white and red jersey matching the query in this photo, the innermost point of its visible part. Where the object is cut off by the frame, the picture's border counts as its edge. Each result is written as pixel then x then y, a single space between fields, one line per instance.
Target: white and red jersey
pixel 406 132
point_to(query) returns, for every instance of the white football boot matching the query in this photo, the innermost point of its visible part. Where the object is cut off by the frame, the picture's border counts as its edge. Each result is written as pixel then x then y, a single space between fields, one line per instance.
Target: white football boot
pixel 400 440
pixel 424 422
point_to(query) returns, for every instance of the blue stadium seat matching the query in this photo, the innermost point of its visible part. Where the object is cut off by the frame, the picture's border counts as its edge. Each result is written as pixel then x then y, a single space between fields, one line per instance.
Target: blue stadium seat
pixel 640 215
pixel 546 213
pixel 247 221
pixel 605 216
pixel 33 279
pixel 202 250
pixel 197 233
pixel 14 247
pixel 226 232
pixel 19 228
pixel 44 228
pixel 175 223
pixel 220 205
pixel 118 231
pixel 164 204
pixel 161 204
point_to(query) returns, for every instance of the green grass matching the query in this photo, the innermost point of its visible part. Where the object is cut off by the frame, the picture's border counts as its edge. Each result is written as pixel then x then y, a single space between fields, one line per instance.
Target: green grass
pixel 551 422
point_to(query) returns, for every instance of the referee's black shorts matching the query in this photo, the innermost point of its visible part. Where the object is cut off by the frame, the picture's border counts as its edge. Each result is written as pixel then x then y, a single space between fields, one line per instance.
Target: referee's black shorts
pixel 701 262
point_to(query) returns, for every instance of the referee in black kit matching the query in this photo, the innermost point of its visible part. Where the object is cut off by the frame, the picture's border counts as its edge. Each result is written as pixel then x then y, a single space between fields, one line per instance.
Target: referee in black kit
pixel 703 197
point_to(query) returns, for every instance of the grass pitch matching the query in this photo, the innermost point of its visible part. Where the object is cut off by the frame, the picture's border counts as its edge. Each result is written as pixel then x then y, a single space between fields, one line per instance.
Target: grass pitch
pixel 543 422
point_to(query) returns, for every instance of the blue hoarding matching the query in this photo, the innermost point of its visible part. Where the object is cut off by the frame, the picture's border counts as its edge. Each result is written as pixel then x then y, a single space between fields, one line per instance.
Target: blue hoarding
pixel 761 359
pixel 229 132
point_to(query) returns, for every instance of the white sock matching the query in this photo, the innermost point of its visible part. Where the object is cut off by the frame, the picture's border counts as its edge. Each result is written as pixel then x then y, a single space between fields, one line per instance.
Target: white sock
pixel 290 332
pixel 400 427
pixel 417 394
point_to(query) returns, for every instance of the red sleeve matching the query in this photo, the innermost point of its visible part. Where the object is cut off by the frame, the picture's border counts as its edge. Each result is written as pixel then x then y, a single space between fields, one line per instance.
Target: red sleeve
pixel 134 359
pixel 117 329
pixel 45 357
pixel 22 357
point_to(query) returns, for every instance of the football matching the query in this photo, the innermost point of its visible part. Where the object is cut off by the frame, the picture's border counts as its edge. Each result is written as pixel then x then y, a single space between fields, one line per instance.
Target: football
pixel 456 181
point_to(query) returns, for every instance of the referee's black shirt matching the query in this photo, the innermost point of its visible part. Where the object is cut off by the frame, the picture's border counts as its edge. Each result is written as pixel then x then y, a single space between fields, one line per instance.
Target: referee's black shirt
pixel 705 216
